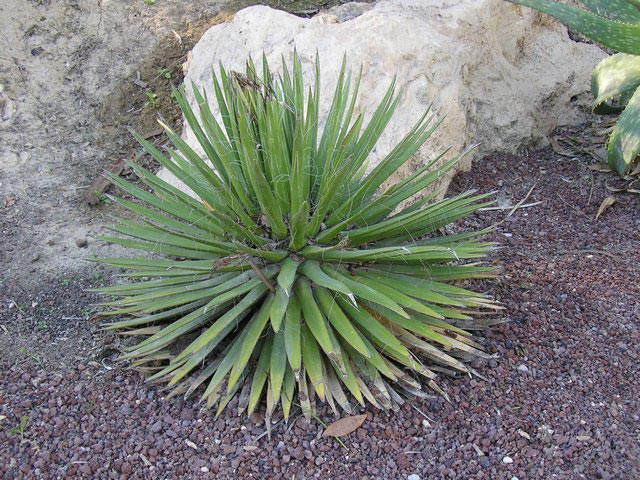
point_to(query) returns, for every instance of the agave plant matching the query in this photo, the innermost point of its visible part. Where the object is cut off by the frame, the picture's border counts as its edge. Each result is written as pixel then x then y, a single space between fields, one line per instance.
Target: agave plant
pixel 615 81
pixel 288 269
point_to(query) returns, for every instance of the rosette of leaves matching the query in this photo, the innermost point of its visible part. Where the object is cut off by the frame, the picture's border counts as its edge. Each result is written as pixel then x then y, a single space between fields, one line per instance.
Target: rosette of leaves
pixel 291 274
pixel 614 24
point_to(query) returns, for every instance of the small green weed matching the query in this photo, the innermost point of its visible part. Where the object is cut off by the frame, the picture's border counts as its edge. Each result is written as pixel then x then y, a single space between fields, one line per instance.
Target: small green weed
pixel 166 73
pixel 153 99
pixel 20 428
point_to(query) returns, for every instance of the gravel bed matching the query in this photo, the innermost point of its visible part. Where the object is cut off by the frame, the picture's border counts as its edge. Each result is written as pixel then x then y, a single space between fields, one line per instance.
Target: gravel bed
pixel 560 401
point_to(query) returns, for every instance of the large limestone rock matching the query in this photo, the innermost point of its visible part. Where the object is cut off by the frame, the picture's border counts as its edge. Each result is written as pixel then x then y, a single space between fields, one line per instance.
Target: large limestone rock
pixel 504 76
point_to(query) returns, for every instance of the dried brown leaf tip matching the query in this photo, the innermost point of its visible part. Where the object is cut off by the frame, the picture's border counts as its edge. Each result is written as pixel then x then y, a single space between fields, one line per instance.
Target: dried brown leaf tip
pixel 606 203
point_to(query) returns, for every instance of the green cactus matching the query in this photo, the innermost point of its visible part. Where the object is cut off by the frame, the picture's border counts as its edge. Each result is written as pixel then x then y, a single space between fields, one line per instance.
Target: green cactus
pixel 614 24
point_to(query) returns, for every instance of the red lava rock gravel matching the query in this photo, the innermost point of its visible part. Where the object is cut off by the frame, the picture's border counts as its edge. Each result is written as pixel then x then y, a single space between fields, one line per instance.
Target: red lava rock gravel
pixel 560 401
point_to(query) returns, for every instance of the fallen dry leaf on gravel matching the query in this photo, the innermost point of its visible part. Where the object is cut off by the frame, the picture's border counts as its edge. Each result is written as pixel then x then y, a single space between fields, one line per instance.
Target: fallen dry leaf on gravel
pixel 478 450
pixel 10 201
pixel 606 203
pixel 524 434
pixel 344 426
pixel 599 167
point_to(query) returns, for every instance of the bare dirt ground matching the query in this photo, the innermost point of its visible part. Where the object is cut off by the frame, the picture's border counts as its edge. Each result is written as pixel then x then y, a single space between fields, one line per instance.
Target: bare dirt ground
pixel 559 402
pixel 62 66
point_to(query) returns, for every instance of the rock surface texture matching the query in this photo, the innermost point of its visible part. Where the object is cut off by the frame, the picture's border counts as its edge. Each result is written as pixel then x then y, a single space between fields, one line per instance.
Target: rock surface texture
pixel 502 75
